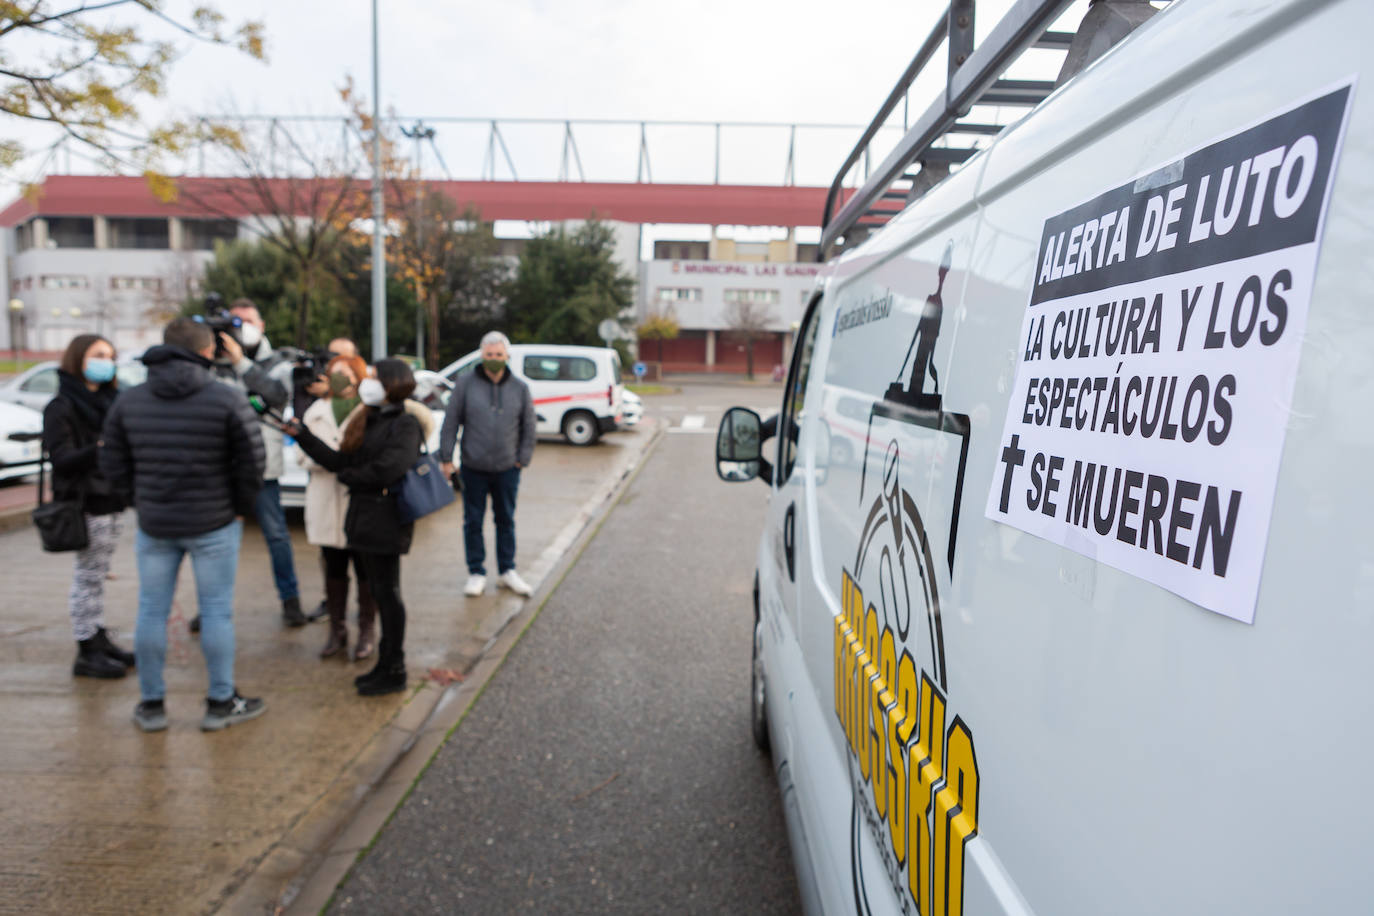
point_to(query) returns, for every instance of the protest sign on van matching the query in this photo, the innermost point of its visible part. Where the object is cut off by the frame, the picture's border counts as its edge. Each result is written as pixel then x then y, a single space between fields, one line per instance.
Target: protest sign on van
pixel 1159 352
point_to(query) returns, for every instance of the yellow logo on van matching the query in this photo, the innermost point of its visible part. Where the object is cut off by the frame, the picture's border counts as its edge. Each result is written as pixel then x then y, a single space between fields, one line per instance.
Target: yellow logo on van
pixel 921 777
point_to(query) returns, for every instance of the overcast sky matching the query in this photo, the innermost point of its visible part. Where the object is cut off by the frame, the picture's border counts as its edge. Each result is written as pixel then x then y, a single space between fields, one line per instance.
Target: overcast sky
pixel 807 61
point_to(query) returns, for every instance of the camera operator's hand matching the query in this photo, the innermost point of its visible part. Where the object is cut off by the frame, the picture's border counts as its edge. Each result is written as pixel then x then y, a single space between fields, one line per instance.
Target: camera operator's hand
pixel 232 349
pixel 292 427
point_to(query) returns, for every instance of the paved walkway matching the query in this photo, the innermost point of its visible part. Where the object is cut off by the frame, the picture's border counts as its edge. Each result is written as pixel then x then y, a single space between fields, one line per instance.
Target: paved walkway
pixel 97 817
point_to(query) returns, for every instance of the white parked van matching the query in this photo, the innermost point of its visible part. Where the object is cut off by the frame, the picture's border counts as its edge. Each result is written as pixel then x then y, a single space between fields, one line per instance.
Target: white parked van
pixel 577 390
pixel 1065 602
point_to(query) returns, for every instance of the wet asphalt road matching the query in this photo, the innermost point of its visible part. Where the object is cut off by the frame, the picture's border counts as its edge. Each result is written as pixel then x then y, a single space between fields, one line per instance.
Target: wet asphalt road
pixel 608 766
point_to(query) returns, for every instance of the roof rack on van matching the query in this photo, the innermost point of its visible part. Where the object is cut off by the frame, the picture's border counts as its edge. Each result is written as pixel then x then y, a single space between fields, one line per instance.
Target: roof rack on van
pixel 973 78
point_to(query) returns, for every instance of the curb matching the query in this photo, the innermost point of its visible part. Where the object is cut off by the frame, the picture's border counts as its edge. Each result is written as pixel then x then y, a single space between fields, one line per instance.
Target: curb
pixel 301 872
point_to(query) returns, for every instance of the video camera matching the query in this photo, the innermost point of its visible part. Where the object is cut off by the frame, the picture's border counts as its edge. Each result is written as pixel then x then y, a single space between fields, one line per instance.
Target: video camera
pixel 218 318
pixel 306 365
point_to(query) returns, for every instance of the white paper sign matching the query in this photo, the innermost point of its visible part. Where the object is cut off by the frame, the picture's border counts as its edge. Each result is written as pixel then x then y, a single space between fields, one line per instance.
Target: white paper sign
pixel 1159 353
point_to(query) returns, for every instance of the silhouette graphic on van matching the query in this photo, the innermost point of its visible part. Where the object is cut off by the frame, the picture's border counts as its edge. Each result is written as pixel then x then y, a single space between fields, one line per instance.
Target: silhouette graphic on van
pixel 907 401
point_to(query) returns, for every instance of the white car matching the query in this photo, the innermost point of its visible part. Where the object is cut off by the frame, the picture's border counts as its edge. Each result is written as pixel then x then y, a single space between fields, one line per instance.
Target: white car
pixel 634 407
pixel 577 391
pixel 19 456
pixel 34 387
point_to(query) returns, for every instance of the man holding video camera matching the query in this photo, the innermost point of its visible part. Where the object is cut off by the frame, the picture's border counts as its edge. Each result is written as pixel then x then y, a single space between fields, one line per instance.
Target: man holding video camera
pixel 248 362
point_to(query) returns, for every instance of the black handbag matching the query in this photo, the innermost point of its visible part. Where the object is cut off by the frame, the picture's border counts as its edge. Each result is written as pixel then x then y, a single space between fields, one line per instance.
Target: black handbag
pixel 61 523
pixel 423 490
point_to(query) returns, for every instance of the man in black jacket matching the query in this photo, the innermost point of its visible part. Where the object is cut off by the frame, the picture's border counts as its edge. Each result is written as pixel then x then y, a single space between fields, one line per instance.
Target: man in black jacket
pixel 188 452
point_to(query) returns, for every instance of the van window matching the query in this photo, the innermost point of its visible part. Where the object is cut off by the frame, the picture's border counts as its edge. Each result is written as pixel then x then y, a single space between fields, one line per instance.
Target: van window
pixel 559 369
pixel 794 404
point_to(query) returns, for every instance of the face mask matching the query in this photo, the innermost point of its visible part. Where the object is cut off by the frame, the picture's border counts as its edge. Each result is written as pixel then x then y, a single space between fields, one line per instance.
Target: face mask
pixel 251 335
pixel 494 366
pixel 339 383
pixel 99 371
pixel 371 392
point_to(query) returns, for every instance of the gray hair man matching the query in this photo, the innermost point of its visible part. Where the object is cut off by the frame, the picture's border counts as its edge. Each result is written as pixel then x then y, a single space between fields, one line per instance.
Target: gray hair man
pixel 495 412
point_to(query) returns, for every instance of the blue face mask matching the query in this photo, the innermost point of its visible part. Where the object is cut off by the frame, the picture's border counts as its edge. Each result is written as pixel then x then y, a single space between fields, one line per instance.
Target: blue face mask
pixel 99 371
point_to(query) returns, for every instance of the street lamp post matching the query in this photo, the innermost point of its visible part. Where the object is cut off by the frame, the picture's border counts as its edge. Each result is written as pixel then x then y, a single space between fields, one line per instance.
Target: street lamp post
pixel 378 207
pixel 419 133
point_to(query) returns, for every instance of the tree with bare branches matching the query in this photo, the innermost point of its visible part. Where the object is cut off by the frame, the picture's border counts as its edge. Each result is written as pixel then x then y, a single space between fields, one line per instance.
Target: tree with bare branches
pixel 74 68
pixel 747 321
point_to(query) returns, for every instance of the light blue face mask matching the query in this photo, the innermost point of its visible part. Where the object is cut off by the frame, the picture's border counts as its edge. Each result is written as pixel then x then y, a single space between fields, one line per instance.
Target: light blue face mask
pixel 99 371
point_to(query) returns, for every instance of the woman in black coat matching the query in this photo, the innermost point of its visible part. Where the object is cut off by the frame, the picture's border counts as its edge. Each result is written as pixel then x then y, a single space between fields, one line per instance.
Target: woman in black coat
pixel 372 458
pixel 71 437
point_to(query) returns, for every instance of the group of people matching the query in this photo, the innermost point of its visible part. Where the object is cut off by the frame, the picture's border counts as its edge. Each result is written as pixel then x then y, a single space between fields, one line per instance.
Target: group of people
pixel 194 457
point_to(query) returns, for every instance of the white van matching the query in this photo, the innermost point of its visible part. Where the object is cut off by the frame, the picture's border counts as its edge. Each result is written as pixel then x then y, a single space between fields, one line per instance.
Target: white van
pixel 577 390
pixel 1078 619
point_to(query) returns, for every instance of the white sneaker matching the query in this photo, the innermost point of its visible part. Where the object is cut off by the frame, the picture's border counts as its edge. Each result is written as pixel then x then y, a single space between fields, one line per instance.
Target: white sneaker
pixel 511 580
pixel 476 585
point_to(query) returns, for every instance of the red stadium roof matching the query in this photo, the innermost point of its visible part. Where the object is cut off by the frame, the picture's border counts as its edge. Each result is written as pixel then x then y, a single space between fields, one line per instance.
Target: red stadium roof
pixel 743 205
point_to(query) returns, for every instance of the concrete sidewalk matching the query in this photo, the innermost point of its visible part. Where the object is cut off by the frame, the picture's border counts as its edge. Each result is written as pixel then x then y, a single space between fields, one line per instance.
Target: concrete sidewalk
pixel 97 817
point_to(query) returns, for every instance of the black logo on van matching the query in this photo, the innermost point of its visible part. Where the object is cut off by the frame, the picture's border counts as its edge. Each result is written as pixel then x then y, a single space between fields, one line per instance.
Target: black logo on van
pixel 915 774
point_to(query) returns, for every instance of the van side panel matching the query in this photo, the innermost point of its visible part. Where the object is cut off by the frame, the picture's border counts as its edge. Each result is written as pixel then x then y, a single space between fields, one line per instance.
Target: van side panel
pixel 992 723
pixel 1127 739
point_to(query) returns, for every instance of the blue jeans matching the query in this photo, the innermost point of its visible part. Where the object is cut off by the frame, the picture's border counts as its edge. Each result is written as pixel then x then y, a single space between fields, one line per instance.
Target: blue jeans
pixel 272 520
pixel 502 485
pixel 215 562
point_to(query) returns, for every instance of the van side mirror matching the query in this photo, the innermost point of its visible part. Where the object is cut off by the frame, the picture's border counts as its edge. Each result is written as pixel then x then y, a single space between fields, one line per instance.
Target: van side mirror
pixel 739 449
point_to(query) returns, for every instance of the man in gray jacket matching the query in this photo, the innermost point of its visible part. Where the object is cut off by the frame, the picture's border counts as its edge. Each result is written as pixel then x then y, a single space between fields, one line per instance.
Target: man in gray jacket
pixel 496 413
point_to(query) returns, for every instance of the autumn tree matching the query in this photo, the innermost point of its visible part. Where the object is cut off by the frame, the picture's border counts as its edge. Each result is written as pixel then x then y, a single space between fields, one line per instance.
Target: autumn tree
pixel 747 320
pixel 660 326
pixel 566 284
pixel 78 69
pixel 449 260
pixel 298 189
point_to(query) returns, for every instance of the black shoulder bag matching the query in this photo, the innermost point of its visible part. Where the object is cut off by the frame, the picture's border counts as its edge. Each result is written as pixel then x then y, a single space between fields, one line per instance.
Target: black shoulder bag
pixel 61 523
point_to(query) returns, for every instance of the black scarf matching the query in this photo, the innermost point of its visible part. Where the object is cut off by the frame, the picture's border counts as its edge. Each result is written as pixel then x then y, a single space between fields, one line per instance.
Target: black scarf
pixel 91 406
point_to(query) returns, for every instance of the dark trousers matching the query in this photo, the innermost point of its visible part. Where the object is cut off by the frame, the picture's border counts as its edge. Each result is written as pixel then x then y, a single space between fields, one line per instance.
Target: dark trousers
pixel 335 561
pixel 383 572
pixel 502 487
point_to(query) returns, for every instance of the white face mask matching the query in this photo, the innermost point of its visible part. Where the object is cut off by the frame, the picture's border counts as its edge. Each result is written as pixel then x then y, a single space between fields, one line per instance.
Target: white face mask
pixel 372 393
pixel 251 334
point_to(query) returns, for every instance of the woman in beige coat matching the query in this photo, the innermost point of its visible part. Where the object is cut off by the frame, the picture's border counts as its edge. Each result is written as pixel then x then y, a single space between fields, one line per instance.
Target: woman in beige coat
pixel 326 505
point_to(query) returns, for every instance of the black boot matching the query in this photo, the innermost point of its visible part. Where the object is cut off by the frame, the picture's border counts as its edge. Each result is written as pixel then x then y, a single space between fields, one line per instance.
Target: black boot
pixel 123 656
pixel 388 677
pixel 291 615
pixel 92 662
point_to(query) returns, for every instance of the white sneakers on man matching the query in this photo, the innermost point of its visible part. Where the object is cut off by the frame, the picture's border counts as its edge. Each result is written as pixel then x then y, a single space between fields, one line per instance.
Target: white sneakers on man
pixel 511 580
pixel 476 585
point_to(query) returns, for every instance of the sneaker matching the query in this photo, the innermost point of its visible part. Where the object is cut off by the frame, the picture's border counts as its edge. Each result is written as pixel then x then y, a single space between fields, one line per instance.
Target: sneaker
pixel 291 614
pixel 477 583
pixel 224 713
pixel 511 580
pixel 150 715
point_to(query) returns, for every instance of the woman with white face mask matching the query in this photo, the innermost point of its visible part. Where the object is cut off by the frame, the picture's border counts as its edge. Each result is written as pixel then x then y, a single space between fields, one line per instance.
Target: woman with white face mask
pixel 326 507
pixel 378 447
pixel 71 437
